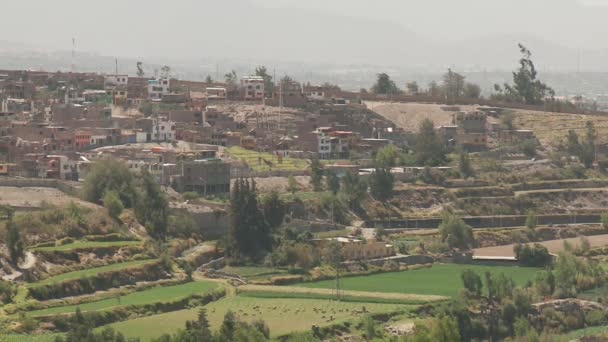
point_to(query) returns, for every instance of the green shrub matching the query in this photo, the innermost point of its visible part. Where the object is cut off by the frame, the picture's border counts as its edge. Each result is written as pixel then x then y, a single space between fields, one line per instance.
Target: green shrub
pixel 595 317
pixel 112 202
pixel 605 220
pixel 190 195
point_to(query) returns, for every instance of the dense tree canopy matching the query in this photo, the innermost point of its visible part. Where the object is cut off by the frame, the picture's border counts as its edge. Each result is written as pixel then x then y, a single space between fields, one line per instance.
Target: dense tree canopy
pixel 385 86
pixel 430 150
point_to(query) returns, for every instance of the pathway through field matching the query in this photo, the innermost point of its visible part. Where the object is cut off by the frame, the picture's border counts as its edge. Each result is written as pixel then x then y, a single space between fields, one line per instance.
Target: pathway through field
pixel 554 246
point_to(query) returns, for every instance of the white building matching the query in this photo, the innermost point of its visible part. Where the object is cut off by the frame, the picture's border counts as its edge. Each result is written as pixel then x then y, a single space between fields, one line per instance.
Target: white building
pixel 253 87
pixel 158 88
pixel 163 130
pixel 115 81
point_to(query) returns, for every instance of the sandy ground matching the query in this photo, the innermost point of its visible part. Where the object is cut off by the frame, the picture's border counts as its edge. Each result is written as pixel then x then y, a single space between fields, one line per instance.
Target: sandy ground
pixel 34 197
pixel 409 115
pixel 554 246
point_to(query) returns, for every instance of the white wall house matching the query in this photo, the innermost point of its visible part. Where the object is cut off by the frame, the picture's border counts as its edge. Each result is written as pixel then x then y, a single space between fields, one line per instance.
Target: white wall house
pixel 163 131
pixel 115 81
pixel 158 88
pixel 253 87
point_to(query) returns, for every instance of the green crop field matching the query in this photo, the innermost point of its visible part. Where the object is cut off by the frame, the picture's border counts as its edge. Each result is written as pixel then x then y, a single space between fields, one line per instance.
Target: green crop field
pixel 91 272
pixel 268 162
pixel 282 315
pixel 154 295
pixel 441 279
pixel 85 244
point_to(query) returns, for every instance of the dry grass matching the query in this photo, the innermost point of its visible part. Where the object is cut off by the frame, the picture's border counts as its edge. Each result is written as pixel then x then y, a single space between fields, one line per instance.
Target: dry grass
pixel 550 127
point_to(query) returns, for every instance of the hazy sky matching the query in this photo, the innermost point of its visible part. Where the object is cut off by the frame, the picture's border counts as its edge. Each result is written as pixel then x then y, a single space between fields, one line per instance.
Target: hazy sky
pixel 333 31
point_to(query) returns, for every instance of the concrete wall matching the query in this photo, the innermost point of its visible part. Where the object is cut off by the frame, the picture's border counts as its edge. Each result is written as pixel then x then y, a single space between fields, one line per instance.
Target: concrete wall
pixel 486 221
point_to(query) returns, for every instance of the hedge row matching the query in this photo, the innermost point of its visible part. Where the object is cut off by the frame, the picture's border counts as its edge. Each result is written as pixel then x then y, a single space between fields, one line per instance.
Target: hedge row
pixel 99 318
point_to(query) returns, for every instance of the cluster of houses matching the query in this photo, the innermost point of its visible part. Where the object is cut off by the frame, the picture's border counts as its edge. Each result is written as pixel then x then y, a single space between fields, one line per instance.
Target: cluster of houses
pixel 54 125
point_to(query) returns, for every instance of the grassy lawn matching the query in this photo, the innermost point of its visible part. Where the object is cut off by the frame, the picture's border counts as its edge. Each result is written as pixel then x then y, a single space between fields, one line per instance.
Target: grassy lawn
pixel 441 279
pixel 91 272
pixel 85 244
pixel 282 315
pixel 269 162
pixel 154 295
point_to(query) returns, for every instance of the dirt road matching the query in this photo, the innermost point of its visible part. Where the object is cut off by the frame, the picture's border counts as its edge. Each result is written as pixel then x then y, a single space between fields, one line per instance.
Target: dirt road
pixel 554 246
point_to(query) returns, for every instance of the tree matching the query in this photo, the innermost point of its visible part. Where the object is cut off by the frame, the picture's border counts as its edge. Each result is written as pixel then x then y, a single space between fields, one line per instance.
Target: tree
pixel 381 184
pixel 249 235
pixel 453 85
pixel 229 326
pixel 112 202
pixel 140 69
pixel 268 83
pixel 165 71
pixel 354 188
pixel 412 88
pixel 531 219
pixel 455 232
pixel 528 147
pixel 231 78
pixel 472 282
pixel 532 256
pixel 333 183
pixel 292 184
pixel 472 91
pixel 209 79
pixel 152 209
pixel 109 175
pixel 445 330
pixel 14 243
pixel 434 89
pixel 316 175
pixel 385 86
pixel 430 150
pixel 464 165
pixel 526 88
pixel 386 156
pixel 274 210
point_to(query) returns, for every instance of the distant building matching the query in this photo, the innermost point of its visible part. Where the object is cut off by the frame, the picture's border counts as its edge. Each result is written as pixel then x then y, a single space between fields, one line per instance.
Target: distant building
pixel 356 249
pixel 205 176
pixel 157 88
pixel 252 88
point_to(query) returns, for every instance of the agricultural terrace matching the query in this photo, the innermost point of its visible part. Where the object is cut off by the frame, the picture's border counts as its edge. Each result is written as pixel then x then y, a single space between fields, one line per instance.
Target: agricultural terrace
pixel 155 295
pixel 283 316
pixel 265 291
pixel 85 245
pixel 91 272
pixel 262 161
pixel 441 279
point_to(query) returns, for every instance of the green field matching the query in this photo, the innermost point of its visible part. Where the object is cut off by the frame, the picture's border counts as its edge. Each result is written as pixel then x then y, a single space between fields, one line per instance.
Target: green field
pixel 91 272
pixel 282 315
pixel 590 331
pixel 154 295
pixel 441 279
pixel 85 244
pixel 252 158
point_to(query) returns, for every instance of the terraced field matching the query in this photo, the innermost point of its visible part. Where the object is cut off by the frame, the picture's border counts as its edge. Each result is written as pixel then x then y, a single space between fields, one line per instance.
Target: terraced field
pixel 261 161
pixel 91 271
pixel 441 280
pixel 281 315
pixel 85 244
pixel 154 295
